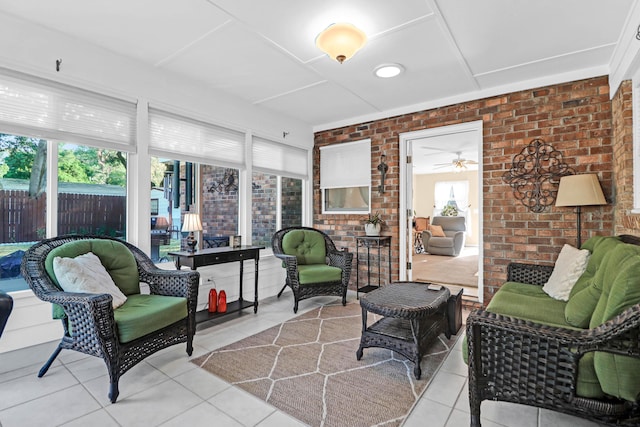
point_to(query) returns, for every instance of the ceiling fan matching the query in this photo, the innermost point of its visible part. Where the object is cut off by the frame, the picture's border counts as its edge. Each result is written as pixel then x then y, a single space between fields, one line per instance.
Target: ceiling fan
pixel 458 164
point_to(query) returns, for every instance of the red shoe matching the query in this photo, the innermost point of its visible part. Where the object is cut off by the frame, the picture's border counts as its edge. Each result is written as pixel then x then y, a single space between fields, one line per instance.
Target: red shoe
pixel 222 302
pixel 213 301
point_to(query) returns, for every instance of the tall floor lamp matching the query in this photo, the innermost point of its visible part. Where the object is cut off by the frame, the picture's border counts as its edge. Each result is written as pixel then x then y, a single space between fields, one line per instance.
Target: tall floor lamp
pixel 578 191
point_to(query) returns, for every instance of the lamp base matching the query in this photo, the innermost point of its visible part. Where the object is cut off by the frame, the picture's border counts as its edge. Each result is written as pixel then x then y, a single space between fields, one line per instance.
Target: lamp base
pixel 191 243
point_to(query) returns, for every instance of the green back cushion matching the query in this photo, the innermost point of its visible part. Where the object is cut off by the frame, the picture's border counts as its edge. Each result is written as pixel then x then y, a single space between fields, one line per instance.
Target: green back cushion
pixel 142 314
pixel 585 294
pixel 619 375
pixel 307 245
pixel 115 257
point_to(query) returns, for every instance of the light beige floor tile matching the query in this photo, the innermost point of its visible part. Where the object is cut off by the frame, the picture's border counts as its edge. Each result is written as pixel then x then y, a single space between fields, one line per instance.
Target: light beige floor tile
pixel 242 406
pixel 31 370
pixel 87 368
pixel 202 383
pixel 30 387
pixel 35 355
pixel 154 406
pixel 445 388
pixel 280 419
pixel 139 378
pixel 455 364
pixel 557 419
pixel 509 414
pixel 52 409
pixel 428 413
pixel 461 419
pixel 202 415
pixel 171 361
pixel 99 418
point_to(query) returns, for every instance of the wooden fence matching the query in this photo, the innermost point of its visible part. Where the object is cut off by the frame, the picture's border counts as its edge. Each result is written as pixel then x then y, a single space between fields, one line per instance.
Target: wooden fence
pixel 22 219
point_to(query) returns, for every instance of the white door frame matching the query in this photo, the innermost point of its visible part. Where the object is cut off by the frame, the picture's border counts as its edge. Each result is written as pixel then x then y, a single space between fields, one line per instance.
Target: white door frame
pixel 405 140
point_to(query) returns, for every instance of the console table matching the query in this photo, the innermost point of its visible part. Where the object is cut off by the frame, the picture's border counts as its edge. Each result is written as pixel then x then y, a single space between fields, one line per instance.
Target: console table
pixel 369 242
pixel 221 255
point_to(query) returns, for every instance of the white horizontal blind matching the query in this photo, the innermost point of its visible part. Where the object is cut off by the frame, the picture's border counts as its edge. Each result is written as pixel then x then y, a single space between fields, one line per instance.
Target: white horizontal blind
pixel 279 159
pixel 39 108
pixel 194 140
pixel 346 165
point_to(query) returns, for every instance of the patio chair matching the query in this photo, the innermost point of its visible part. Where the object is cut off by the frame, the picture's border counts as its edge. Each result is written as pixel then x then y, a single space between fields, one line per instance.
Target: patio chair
pixel 314 266
pixel 123 336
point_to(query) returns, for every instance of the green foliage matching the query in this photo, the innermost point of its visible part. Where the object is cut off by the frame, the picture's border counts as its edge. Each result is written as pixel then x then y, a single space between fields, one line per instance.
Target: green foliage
pixel 449 211
pixel 374 219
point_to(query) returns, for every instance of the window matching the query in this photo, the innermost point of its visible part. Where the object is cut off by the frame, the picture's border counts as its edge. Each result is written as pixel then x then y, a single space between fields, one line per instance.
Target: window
pixel 451 193
pixel 345 177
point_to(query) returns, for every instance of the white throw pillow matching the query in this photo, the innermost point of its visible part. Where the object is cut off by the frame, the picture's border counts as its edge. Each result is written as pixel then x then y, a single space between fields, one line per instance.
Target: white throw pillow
pixel 85 273
pixel 570 265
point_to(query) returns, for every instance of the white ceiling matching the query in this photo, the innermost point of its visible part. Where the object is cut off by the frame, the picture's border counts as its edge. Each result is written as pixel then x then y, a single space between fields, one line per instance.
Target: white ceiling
pixel 264 50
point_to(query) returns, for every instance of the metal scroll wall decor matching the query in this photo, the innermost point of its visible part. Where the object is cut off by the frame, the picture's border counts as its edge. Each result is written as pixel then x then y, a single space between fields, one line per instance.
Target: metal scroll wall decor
pixel 535 175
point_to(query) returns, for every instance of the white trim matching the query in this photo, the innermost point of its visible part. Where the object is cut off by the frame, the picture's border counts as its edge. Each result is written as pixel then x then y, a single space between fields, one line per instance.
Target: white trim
pixel 404 140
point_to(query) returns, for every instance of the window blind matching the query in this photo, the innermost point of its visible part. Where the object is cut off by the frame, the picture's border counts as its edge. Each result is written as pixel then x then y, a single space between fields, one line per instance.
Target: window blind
pixel 346 165
pixel 40 108
pixel 279 159
pixel 194 140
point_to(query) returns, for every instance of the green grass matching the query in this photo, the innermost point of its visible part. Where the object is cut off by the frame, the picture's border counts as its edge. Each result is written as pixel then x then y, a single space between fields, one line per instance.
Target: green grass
pixel 6 249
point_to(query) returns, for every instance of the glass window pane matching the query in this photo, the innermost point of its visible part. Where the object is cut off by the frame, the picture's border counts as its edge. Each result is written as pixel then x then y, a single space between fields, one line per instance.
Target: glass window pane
pixel 92 191
pixel 264 200
pixel 22 204
pixel 291 195
pixel 346 200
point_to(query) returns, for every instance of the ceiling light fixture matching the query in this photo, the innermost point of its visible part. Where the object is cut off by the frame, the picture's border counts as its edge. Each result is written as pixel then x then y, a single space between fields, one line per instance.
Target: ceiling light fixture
pixel 386 71
pixel 341 41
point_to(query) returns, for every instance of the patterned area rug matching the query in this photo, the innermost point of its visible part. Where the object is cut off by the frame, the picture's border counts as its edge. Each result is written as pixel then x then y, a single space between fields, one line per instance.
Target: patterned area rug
pixel 307 368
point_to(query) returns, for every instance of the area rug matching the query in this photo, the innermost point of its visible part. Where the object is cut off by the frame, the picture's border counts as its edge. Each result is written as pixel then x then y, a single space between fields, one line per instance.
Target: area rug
pixel 447 270
pixel 307 368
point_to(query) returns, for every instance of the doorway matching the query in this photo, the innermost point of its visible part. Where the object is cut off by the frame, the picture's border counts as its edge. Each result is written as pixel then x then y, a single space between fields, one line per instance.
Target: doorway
pixel 440 162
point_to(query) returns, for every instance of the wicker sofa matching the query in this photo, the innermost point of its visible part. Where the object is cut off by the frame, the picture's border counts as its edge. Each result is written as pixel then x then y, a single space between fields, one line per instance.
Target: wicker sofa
pixel 580 357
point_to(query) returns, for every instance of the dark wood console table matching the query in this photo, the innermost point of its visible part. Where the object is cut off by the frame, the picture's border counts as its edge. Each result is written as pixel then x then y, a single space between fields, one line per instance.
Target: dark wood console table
pixel 222 255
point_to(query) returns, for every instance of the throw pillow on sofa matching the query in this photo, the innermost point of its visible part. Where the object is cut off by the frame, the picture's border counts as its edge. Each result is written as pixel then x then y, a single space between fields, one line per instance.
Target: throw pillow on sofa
pixel 437 231
pixel 85 273
pixel 570 265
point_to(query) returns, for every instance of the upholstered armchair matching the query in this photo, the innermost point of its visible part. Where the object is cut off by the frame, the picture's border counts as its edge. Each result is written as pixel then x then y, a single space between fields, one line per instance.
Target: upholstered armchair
pixel 314 266
pixel 451 241
pixel 122 336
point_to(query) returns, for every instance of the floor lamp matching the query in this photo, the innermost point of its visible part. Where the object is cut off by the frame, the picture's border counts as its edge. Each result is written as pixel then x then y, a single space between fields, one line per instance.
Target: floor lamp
pixel 578 191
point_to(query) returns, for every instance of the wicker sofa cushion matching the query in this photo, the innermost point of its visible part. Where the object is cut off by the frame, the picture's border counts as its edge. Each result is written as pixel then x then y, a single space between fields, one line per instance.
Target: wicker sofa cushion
pixel 143 314
pixel 318 273
pixel 115 257
pixel 585 294
pixel 619 375
pixel 308 246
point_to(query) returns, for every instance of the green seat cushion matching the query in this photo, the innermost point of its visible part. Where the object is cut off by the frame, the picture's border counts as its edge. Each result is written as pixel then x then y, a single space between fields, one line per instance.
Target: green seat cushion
pixel 143 314
pixel 528 302
pixel 318 273
pixel 114 256
pixel 619 375
pixel 307 245
pixel 585 294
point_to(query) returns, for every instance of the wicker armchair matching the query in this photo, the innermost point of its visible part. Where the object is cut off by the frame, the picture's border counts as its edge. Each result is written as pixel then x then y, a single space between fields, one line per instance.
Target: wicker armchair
pixel 515 360
pixel 88 319
pixel 314 266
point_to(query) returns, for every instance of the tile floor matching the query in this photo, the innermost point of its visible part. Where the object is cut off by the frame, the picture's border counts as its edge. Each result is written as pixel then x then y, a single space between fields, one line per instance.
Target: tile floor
pixel 167 390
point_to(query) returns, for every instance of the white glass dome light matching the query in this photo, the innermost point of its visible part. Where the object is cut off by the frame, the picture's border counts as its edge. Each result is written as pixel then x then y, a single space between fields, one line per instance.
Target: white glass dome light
pixel 386 71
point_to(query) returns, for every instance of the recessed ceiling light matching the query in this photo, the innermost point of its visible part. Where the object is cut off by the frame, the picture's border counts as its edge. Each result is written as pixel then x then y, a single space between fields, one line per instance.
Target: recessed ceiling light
pixel 386 71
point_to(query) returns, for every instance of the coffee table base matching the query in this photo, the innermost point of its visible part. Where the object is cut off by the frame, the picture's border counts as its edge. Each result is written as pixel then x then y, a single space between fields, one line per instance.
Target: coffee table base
pixel 410 338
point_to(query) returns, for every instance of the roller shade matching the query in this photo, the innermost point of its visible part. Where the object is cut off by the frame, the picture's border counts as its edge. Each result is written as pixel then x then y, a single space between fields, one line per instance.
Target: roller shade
pixel 279 159
pixel 194 140
pixel 346 165
pixel 40 108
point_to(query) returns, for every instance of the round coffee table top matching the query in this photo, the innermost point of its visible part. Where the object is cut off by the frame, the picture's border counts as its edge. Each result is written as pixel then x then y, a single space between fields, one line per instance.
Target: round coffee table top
pixel 407 300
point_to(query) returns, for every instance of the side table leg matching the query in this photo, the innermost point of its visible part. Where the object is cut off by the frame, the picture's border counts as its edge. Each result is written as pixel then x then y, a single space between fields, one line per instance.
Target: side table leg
pixel 415 332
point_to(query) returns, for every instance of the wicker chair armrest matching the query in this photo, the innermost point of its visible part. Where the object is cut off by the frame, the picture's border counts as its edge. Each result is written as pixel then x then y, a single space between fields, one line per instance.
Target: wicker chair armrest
pixel 176 283
pixel 528 273
pixel 291 265
pixel 341 259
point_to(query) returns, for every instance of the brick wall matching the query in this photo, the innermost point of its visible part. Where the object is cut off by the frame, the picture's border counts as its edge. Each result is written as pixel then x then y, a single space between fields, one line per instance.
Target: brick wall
pixel 575 117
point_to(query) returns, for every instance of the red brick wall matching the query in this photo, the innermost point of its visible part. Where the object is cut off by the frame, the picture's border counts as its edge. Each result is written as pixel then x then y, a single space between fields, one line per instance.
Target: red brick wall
pixel 574 117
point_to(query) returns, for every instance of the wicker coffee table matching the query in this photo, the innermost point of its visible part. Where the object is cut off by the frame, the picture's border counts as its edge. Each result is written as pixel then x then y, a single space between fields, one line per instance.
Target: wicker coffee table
pixel 414 314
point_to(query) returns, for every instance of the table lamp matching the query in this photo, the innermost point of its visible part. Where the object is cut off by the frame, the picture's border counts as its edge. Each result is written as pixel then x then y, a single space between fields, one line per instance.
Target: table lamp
pixel 578 191
pixel 191 222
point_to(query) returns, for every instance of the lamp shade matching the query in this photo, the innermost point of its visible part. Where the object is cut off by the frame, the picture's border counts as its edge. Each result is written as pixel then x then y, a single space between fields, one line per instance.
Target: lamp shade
pixel 161 223
pixel 580 190
pixel 191 222
pixel 341 41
